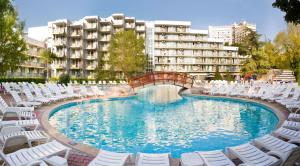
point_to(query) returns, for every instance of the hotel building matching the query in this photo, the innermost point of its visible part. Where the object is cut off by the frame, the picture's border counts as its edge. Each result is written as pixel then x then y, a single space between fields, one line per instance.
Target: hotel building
pixel 79 44
pixel 33 67
pixel 169 46
pixel 174 46
pixel 231 34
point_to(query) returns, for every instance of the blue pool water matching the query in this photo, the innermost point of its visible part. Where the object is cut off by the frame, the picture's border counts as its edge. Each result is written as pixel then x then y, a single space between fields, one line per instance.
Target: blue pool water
pixel 158 120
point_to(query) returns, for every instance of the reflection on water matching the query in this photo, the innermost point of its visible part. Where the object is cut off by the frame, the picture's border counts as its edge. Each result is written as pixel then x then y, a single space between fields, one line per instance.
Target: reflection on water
pixel 159 94
pixel 190 124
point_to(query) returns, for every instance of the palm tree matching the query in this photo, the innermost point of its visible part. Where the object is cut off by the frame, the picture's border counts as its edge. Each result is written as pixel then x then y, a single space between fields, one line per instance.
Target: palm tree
pixel 48 57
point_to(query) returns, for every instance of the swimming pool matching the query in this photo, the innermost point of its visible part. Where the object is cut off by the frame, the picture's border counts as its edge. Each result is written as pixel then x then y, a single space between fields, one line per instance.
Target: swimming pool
pixel 158 120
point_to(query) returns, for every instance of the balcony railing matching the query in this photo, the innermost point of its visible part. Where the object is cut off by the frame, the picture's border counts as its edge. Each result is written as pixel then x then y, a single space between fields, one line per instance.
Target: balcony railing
pixel 91 46
pixel 60 31
pixel 118 22
pixel 60 42
pixel 91 26
pixel 129 26
pixel 76 56
pixel 140 28
pixel 91 57
pixel 105 29
pixel 76 66
pixel 76 34
pixel 76 45
pixel 91 67
pixel 91 36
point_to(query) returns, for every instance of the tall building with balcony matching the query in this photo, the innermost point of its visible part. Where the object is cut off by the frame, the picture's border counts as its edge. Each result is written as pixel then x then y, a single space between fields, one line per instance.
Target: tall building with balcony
pixel 231 34
pixel 241 30
pixel 79 44
pixel 169 45
pixel 33 67
pixel 173 46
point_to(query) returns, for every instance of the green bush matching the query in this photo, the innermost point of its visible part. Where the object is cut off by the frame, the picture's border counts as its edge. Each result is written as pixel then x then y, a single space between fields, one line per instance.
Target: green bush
pixel 35 80
pixel 64 79
pixel 218 75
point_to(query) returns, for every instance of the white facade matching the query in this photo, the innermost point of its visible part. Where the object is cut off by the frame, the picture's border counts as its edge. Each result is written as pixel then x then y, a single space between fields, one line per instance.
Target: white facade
pixel 231 33
pixel 79 44
pixel 34 66
pixel 178 48
pixel 169 45
pixel 221 32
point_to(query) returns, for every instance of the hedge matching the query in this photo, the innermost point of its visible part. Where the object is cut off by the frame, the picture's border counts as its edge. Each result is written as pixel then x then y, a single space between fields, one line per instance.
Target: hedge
pixel 36 80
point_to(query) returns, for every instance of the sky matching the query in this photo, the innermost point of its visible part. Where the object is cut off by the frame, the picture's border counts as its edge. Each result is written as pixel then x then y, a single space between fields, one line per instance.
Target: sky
pixel 201 13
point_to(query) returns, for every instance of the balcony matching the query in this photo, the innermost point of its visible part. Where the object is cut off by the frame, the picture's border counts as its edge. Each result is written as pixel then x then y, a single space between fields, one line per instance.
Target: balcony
pixel 91 57
pixel 60 66
pixel 76 34
pixel 76 45
pixel 76 66
pixel 118 22
pixel 75 56
pixel 91 46
pixel 91 67
pixel 140 28
pixel 105 38
pixel 60 42
pixel 106 29
pixel 60 31
pixel 129 26
pixel 91 36
pixel 91 26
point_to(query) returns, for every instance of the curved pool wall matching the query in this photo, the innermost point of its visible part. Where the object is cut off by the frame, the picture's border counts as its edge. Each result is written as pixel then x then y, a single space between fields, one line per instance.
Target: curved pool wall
pixel 190 123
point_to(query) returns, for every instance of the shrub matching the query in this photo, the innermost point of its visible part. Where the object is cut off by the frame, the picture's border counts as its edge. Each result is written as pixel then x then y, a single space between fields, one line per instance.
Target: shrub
pixel 64 79
pixel 218 76
pixel 35 80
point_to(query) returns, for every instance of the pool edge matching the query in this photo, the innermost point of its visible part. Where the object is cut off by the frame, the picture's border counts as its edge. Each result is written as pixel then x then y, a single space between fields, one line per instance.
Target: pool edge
pixel 45 112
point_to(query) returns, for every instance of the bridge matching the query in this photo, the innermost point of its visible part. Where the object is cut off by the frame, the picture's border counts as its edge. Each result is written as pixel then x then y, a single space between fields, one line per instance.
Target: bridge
pixel 157 78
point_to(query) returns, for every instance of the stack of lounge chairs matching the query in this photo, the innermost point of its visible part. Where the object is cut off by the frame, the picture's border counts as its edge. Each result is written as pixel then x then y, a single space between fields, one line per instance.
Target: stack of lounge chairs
pixel 286 94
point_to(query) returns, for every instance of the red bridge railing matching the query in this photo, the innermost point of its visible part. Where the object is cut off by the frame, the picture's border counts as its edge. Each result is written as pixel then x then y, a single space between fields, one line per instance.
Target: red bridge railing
pixel 174 78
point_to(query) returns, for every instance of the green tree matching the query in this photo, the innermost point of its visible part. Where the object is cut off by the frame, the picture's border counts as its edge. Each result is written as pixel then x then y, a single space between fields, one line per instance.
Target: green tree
pixel 12 45
pixel 291 8
pixel 288 45
pixel 126 53
pixel 102 72
pixel 218 75
pixel 258 61
pixel 48 57
pixel 228 76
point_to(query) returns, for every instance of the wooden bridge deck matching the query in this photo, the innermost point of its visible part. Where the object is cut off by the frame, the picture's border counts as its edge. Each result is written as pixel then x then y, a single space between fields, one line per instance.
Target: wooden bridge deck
pixel 158 78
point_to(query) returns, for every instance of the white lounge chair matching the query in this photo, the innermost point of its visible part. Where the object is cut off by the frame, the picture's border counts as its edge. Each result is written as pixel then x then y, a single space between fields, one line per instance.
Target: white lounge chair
pixel 294 117
pixel 14 143
pixel 31 98
pixel 107 158
pixel 287 133
pixel 32 136
pixel 8 113
pixel 96 91
pixel 146 159
pixel 5 105
pixel 283 149
pixel 209 158
pixel 191 159
pixel 20 102
pixel 25 156
pixel 250 155
pixel 21 123
pixel 215 158
pixel 291 125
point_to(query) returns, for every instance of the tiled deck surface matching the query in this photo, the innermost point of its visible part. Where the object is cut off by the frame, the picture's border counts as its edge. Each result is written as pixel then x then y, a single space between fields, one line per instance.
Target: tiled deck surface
pixel 79 158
